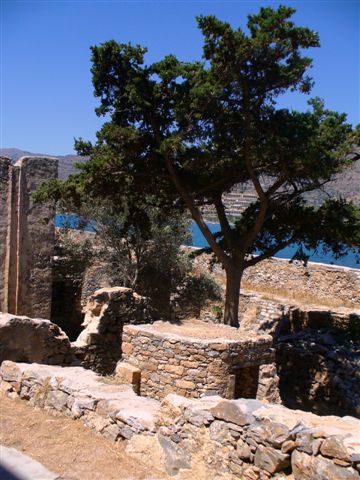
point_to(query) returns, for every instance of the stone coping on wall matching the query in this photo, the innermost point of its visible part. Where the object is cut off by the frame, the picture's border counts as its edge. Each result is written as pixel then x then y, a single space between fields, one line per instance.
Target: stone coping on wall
pixel 110 408
pixel 208 438
pixel 201 333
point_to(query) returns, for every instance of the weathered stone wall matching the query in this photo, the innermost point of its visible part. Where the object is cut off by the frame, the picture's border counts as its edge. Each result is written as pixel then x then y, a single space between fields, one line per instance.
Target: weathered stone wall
pixel 26 339
pixel 317 353
pixel 319 372
pixel 194 367
pixel 27 237
pixel 262 315
pixel 5 166
pixel 99 345
pixel 316 283
pixel 207 439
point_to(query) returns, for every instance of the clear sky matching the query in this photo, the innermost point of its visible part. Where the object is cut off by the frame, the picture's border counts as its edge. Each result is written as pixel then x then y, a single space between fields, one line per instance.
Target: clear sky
pixel 46 91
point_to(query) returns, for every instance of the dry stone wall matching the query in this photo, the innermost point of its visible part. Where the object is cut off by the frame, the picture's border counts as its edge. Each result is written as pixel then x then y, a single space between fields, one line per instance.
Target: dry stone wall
pixel 316 283
pixel 207 439
pixel 194 367
pixel 26 237
pixel 319 372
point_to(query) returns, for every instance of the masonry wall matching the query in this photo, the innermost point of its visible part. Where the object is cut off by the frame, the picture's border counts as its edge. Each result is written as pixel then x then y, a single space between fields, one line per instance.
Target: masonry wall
pixel 27 237
pixel 197 367
pixel 317 283
pixel 208 439
pixel 5 166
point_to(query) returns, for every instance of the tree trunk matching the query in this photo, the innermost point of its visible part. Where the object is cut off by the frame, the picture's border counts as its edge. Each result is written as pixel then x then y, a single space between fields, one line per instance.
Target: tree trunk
pixel 233 279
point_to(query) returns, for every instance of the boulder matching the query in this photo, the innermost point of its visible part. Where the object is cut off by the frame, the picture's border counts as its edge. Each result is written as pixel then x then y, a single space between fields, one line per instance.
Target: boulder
pixel 24 339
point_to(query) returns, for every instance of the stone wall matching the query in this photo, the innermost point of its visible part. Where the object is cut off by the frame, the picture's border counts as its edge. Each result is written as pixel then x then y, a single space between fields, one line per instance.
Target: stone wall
pixel 317 283
pixel 207 439
pixel 25 339
pixel 319 372
pixel 172 361
pixel 26 237
pixel 262 315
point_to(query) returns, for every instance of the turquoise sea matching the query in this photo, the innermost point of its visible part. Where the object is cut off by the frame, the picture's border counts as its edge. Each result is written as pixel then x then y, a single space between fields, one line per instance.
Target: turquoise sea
pixel 72 221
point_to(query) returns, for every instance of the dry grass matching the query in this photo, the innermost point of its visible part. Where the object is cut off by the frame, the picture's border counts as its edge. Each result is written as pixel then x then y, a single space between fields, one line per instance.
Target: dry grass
pixel 66 446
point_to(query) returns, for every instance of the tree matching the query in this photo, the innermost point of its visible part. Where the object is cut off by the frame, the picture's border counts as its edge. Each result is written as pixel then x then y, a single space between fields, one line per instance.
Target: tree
pixel 141 246
pixel 188 132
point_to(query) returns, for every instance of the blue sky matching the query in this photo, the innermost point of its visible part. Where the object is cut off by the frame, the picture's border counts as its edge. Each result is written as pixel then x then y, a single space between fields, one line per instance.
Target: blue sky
pixel 46 91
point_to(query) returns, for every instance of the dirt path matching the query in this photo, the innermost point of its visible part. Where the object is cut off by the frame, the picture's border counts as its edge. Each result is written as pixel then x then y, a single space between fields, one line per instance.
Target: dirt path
pixel 66 446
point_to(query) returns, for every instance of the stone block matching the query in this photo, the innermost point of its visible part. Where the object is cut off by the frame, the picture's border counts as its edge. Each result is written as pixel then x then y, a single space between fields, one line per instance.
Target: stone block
pixel 237 412
pixel 129 373
pixel 185 384
pixel 307 467
pixel 127 348
pixel 271 460
pixel 334 447
pixel 175 369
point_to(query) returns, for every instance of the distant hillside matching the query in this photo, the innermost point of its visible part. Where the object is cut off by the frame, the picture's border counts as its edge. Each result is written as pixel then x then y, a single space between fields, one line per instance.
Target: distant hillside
pixel 345 185
pixel 66 162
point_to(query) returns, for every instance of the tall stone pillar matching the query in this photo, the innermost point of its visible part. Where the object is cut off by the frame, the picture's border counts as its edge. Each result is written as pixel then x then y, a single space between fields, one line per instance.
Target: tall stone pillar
pixel 30 235
pixel 5 169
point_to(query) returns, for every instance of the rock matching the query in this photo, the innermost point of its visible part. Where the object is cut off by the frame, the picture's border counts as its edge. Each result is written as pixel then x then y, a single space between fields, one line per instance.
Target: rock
pixel 306 467
pixel 57 400
pixel 271 460
pixel 238 411
pixel 25 339
pixel 112 432
pixel 219 432
pixel 288 446
pixel 10 372
pixel 334 447
pixel 175 458
pixel 198 417
pixel 269 433
pixel 243 450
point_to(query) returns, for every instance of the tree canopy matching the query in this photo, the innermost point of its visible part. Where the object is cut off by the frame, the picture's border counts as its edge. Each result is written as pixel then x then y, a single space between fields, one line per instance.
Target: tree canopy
pixel 187 132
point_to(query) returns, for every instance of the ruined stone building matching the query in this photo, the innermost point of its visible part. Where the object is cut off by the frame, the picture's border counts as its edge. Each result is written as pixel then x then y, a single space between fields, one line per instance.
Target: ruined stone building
pixel 27 235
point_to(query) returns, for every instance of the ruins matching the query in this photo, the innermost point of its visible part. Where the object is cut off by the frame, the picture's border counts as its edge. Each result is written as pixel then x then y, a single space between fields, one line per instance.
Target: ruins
pixel 195 397
pixel 27 235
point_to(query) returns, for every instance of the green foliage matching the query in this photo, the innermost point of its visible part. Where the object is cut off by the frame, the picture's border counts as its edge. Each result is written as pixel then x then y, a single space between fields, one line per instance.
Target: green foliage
pixel 196 291
pixel 184 133
pixel 73 256
pixel 141 242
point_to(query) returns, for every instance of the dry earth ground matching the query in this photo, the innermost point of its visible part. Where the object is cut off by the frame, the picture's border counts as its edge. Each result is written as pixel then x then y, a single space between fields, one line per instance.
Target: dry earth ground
pixel 66 446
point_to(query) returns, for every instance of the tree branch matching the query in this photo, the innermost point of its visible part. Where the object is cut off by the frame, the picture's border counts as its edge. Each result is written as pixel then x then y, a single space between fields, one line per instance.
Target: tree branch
pixel 270 253
pixel 224 223
pixel 195 213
